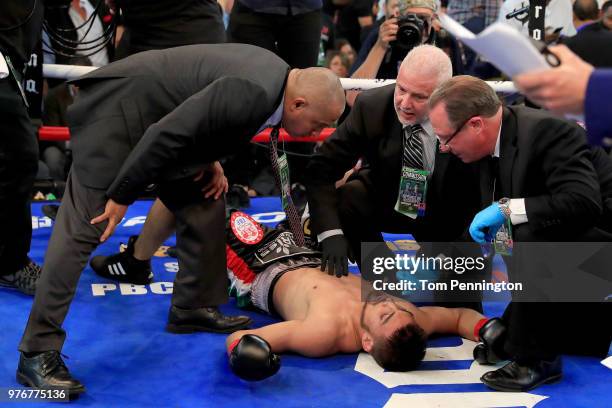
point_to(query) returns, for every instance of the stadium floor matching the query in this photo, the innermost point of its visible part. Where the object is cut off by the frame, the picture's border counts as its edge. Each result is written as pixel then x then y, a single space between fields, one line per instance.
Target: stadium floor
pixel 117 346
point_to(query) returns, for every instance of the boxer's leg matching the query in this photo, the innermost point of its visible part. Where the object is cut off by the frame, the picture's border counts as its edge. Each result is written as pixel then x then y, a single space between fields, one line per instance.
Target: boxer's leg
pixel 158 227
pixel 134 264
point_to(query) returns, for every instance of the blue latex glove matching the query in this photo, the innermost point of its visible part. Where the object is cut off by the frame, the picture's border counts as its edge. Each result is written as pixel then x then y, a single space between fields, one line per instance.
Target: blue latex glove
pixel 486 223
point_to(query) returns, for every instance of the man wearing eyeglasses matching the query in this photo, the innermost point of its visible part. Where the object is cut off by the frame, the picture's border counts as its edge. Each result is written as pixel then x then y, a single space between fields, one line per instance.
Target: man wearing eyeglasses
pixel 538 172
pixel 389 128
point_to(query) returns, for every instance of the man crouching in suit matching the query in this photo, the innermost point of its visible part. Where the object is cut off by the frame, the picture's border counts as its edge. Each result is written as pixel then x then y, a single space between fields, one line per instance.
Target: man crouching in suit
pixel 538 172
pixel 389 129
pixel 162 117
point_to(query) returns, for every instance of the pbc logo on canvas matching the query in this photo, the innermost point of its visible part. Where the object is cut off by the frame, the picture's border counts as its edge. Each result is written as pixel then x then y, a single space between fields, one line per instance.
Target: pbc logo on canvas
pixel 41 222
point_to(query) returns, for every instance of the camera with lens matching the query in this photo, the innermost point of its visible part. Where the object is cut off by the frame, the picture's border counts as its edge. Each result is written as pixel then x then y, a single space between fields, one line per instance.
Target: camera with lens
pixel 410 31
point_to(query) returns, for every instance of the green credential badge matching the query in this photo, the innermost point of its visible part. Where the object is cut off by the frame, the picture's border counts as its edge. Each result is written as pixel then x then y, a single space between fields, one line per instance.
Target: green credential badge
pixel 412 192
pixel 283 167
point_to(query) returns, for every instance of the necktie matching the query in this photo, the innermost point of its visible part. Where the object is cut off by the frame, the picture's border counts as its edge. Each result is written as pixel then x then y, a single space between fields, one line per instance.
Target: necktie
pixel 290 211
pixel 413 147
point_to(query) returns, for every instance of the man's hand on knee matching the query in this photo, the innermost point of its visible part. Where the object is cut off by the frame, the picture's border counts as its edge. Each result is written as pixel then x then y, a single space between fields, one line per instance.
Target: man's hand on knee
pixel 113 213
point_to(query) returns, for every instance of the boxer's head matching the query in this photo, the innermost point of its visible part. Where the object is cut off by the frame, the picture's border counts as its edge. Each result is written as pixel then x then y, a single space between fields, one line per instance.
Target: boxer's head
pixel 465 114
pixel 314 100
pixel 424 68
pixel 391 334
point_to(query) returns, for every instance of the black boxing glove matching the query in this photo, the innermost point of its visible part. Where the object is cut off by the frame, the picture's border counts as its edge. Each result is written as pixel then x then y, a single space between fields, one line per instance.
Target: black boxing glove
pixel 336 253
pixel 492 336
pixel 252 359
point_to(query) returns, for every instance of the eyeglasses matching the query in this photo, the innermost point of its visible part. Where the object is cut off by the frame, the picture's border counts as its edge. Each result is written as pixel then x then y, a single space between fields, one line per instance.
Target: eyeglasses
pixel 445 144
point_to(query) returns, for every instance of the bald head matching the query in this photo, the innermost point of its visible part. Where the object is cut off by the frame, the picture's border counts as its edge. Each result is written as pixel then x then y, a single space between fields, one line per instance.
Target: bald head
pixel 314 99
pixel 586 10
pixel 319 85
pixel 427 61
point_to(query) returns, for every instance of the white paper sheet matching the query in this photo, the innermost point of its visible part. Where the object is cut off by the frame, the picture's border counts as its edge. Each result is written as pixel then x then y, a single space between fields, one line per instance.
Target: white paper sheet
pixel 501 45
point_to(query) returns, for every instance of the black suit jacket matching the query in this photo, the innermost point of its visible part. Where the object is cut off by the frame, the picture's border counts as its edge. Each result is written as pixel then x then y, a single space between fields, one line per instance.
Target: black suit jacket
pixel 593 44
pixel 546 161
pixel 160 115
pixel 373 131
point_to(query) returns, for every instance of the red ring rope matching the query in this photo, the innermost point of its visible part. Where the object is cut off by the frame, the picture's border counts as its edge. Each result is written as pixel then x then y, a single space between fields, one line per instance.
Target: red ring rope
pixel 55 133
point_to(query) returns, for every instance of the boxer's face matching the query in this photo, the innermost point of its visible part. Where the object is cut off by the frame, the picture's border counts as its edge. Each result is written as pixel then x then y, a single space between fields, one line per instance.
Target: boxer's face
pixel 381 318
pixel 301 118
pixel 410 97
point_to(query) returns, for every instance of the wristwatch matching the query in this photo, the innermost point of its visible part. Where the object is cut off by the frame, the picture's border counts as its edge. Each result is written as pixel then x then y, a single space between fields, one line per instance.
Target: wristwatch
pixel 504 206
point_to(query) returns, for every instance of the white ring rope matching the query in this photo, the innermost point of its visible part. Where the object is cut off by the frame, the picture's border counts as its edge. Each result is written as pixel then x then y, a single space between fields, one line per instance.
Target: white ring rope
pixel 349 84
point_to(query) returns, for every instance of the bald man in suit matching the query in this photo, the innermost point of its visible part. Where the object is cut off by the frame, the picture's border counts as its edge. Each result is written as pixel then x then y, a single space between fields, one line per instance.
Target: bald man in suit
pixel 163 117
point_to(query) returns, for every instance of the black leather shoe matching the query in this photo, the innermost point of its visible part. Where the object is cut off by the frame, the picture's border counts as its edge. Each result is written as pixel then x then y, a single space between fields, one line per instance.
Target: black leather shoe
pixel 47 370
pixel 207 319
pixel 123 267
pixel 513 377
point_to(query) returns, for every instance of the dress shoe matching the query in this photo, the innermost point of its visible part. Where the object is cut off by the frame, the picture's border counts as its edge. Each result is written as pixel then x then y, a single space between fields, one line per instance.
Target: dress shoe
pixel 47 370
pixel 123 267
pixel 514 377
pixel 207 319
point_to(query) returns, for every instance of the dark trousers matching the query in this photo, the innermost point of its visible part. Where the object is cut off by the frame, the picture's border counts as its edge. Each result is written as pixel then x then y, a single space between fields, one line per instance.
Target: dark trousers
pixel 294 38
pixel 148 27
pixel 364 219
pixel 543 330
pixel 18 165
pixel 201 280
pixel 539 331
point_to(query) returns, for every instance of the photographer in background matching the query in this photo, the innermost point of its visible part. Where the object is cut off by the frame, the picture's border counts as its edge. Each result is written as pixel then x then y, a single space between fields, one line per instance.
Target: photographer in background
pixel 407 24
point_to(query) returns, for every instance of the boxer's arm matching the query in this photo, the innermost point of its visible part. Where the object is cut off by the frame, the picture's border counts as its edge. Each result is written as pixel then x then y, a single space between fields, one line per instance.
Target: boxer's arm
pixel 298 336
pixel 444 320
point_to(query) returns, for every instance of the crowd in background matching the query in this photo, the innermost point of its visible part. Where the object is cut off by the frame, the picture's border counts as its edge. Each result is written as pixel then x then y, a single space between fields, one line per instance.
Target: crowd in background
pixel 354 38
